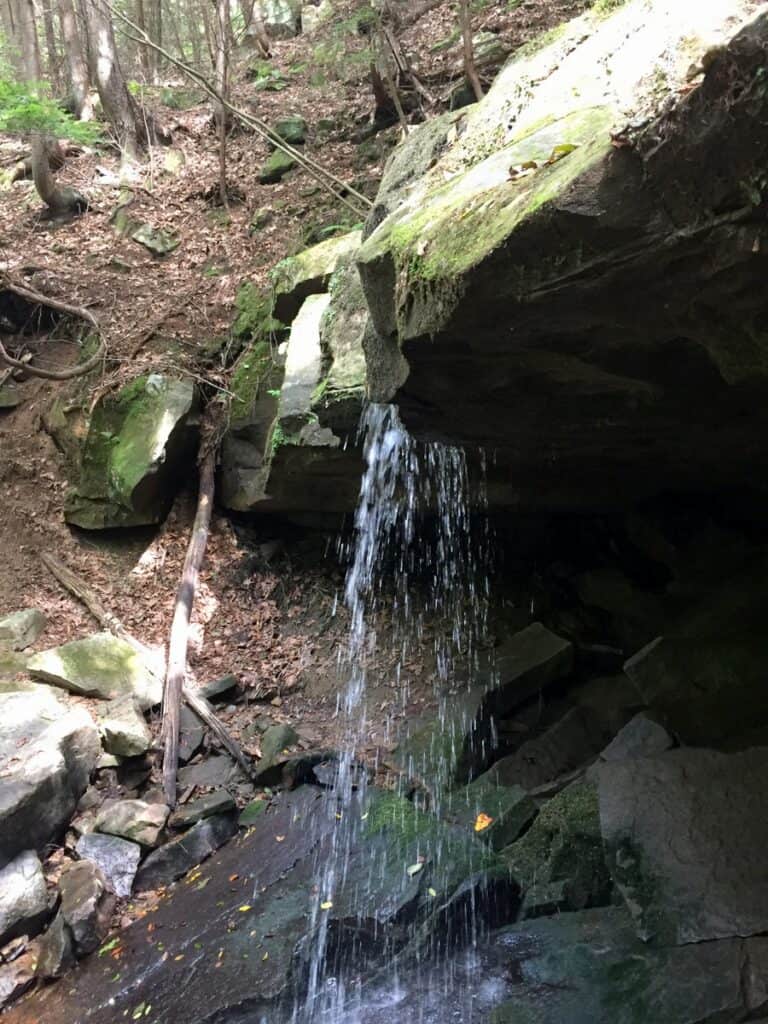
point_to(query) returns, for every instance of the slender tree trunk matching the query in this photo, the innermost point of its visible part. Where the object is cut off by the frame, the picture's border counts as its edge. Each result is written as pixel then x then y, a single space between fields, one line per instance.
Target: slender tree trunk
pixel 223 36
pixel 10 22
pixel 156 32
pixel 79 75
pixel 173 20
pixel 209 34
pixel 52 52
pixel 145 56
pixel 465 20
pixel 194 37
pixel 115 99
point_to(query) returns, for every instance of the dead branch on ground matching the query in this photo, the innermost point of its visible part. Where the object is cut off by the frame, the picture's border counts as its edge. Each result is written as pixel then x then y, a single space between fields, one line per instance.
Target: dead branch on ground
pixel 153 658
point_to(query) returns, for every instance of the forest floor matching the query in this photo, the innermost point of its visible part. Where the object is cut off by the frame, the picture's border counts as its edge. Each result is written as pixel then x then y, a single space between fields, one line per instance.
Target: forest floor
pixel 265 610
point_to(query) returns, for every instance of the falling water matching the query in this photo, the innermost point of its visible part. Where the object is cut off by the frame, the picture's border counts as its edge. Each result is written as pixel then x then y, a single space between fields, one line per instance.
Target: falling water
pixel 419 575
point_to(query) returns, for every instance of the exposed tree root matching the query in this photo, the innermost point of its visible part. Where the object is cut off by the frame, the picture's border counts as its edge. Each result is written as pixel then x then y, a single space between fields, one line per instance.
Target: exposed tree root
pixel 62 307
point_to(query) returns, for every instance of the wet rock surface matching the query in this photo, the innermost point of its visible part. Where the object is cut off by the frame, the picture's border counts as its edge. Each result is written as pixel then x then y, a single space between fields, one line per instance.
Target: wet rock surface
pixel 24 902
pixel 117 859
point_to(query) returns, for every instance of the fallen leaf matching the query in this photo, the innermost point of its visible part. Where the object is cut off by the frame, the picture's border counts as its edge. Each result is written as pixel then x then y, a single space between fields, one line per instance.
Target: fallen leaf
pixel 245 908
pixel 414 869
pixel 326 905
pixel 482 822
pixel 280 839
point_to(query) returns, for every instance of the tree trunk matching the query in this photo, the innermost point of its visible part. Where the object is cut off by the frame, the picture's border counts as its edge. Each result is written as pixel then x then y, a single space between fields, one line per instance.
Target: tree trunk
pixel 115 99
pixel 58 200
pixel 145 55
pixel 79 75
pixel 52 52
pixel 177 644
pixel 156 33
pixel 223 34
pixel 465 20
pixel 9 21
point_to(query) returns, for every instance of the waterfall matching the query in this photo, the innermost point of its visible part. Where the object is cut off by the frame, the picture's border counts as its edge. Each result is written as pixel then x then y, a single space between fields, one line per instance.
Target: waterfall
pixel 418 573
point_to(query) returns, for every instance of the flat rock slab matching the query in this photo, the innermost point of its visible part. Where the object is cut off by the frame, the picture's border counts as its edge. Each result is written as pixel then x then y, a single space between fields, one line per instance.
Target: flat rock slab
pixel 496 814
pixel 20 630
pixel 173 860
pixel 118 859
pixel 101 665
pixel 201 921
pixel 686 835
pixel 218 802
pixel 48 748
pixel 24 903
pixel 590 968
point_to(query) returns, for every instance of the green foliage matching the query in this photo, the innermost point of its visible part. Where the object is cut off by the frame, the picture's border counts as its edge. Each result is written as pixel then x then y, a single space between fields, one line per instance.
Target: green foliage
pixel 26 110
pixel 607 6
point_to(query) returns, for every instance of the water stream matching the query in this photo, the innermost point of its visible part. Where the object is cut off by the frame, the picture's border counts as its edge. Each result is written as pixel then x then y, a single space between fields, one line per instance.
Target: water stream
pixel 415 553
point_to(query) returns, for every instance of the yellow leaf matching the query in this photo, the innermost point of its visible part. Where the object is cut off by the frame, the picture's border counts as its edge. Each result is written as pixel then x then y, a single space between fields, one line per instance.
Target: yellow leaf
pixel 179 957
pixel 482 821
pixel 265 957
pixel 280 839
pixel 414 869
pixel 327 905
pixel 431 892
pixel 245 908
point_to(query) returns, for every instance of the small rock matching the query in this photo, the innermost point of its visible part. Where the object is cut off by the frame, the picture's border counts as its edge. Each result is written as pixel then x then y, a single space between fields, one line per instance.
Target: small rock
pixel 274 741
pixel 261 219
pixel 173 860
pixel 640 737
pixel 117 858
pixel 157 240
pixel 136 820
pixel 275 167
pixel 219 802
pixel 90 800
pixel 57 953
pixel 21 629
pixel 86 905
pixel 124 731
pixel 24 903
pixel 214 771
pixel 292 129
pixel 219 687
pixel 191 735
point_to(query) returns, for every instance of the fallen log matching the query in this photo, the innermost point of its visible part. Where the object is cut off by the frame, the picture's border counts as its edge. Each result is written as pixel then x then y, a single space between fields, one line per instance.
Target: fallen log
pixel 76 586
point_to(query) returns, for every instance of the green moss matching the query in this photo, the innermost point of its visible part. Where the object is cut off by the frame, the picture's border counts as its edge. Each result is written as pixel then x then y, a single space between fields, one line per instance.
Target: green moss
pixel 250 377
pixel 551 35
pixel 605 7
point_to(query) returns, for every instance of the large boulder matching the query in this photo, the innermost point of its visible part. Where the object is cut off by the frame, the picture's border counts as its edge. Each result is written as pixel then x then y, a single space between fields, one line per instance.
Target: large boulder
pixel 582 258
pixel 286 451
pixel 685 834
pixel 48 748
pixel 138 448
pixel 135 820
pixel 101 665
pixel 123 728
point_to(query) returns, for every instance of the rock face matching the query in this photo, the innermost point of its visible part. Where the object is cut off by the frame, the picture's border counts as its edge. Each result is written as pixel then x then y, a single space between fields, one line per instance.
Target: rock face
pixel 539 267
pixel 48 748
pixel 287 450
pixel 101 665
pixel 24 902
pixel 19 630
pixel 57 952
pixel 590 968
pixel 686 837
pixel 138 447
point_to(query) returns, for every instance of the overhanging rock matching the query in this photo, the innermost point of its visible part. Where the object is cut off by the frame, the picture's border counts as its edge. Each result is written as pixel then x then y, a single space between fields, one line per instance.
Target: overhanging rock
pixel 576 282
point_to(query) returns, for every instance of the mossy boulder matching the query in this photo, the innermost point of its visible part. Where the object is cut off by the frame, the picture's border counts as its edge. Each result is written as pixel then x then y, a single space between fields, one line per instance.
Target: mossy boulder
pixel 308 273
pixel 495 814
pixel 291 129
pixel 276 166
pixel 560 863
pixel 139 445
pixel 101 665
pixel 541 255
